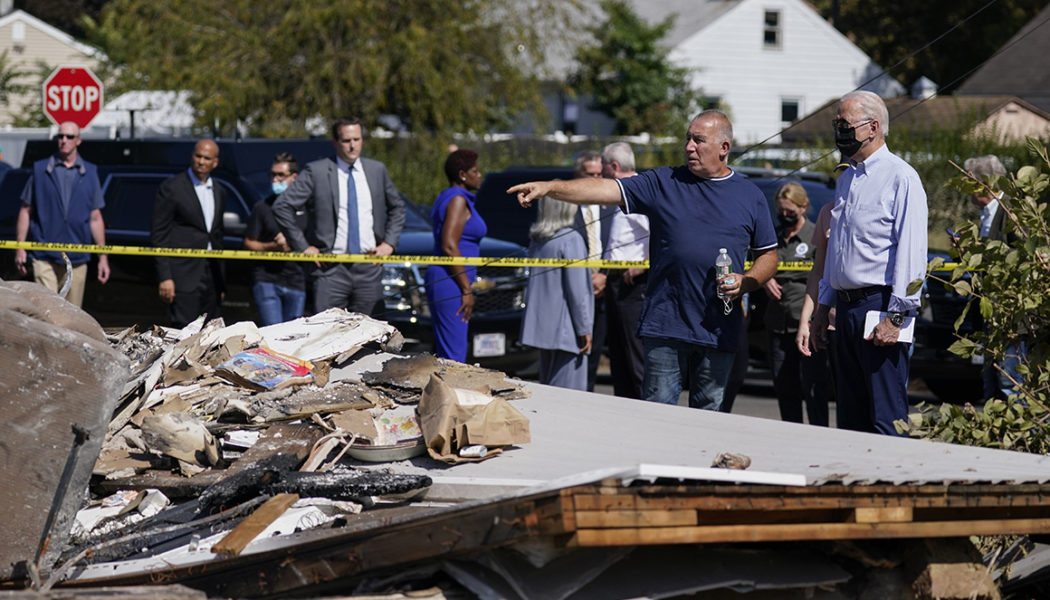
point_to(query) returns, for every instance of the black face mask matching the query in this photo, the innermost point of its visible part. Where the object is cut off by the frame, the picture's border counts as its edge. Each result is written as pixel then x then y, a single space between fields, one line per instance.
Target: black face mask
pixel 846 141
pixel 788 220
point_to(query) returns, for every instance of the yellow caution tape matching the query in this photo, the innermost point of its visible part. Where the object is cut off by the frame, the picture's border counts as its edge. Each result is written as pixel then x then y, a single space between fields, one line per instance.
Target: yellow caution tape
pixel 476 261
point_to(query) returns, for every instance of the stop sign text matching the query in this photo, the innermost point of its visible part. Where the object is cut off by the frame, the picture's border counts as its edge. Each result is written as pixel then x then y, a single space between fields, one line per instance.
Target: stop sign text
pixel 72 94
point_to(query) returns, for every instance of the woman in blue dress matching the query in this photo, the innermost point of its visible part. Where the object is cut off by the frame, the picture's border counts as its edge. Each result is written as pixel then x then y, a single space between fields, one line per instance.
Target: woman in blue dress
pixel 458 229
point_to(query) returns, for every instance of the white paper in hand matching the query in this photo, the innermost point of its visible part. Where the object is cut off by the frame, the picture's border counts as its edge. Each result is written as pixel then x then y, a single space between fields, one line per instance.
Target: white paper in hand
pixel 872 318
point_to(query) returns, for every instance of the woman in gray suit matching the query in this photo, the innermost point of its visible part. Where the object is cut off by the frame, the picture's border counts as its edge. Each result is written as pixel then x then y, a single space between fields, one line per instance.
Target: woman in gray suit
pixel 559 302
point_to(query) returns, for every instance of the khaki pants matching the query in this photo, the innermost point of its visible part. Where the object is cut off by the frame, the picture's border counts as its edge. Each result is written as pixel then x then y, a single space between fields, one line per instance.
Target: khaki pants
pixel 53 275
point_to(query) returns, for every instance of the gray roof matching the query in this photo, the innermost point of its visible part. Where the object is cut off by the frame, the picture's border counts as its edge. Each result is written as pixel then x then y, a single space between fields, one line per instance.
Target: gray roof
pixel 689 16
pixel 574 433
pixel 1019 68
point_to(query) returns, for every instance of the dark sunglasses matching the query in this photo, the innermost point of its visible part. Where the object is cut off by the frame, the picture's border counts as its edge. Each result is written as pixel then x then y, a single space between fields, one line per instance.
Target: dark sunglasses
pixel 845 127
pixel 281 175
pixel 67 136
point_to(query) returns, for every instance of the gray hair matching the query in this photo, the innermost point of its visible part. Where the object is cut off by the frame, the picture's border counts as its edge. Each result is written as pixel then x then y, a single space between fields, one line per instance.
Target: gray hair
pixel 553 216
pixel 585 157
pixel 985 166
pixel 871 107
pixel 621 153
pixel 723 127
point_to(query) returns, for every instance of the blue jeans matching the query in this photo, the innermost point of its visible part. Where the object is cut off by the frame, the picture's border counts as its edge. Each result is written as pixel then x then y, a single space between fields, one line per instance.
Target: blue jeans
pixel 277 303
pixel 668 362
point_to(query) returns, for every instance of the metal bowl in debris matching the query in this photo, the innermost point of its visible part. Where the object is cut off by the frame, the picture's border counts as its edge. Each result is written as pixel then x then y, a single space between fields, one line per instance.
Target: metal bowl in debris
pixel 399 451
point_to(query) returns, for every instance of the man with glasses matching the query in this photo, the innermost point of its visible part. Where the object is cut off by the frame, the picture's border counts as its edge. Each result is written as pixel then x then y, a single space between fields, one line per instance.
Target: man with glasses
pixel 593 222
pixel 62 203
pixel 278 287
pixel 876 249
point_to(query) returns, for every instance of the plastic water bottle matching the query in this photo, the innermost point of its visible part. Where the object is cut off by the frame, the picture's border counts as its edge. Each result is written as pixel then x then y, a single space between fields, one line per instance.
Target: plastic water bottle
pixel 723 270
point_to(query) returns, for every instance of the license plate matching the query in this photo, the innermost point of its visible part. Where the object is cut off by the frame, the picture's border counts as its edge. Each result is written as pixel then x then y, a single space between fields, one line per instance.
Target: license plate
pixel 490 344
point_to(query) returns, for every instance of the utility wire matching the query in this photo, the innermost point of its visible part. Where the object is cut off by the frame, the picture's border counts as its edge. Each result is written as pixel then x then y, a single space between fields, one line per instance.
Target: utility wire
pixel 799 122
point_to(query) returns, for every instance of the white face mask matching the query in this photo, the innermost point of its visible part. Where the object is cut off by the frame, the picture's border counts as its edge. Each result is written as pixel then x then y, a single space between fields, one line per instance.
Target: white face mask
pixel 278 187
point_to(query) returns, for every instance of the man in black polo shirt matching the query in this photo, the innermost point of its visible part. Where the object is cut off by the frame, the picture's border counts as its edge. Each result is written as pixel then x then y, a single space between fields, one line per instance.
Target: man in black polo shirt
pixel 278 287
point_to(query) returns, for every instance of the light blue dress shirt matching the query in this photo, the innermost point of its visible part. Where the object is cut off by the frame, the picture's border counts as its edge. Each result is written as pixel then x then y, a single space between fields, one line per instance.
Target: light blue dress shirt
pixel 878 230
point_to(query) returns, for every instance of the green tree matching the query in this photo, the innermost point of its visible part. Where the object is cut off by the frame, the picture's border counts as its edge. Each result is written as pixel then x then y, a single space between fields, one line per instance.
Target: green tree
pixel 629 75
pixel 1009 283
pixel 439 65
pixel 11 79
pixel 890 32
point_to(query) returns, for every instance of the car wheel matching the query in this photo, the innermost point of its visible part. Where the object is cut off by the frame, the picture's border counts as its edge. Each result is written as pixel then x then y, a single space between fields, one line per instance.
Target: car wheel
pixel 956 391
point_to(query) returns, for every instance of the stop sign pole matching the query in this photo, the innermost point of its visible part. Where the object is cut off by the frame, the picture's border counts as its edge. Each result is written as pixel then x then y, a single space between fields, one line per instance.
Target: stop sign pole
pixel 72 94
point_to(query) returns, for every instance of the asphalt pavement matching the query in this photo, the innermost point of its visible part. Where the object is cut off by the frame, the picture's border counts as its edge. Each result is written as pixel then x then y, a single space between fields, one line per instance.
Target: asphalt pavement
pixel 757 398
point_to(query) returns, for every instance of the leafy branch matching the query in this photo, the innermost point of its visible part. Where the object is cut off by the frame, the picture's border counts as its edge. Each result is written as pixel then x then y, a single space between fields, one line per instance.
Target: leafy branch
pixel 1008 281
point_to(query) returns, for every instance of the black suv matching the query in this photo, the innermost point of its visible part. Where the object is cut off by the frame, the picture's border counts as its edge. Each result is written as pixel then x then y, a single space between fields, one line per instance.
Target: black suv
pixel 130 173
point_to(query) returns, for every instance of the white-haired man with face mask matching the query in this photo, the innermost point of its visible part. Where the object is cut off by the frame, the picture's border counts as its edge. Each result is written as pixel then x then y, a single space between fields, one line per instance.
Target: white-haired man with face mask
pixel 876 249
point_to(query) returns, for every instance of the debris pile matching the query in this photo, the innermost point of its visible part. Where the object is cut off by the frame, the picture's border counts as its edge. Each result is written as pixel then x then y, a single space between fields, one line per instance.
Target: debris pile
pixel 221 435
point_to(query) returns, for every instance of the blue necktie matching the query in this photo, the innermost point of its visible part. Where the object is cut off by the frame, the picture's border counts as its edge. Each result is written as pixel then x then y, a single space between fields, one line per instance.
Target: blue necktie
pixel 353 236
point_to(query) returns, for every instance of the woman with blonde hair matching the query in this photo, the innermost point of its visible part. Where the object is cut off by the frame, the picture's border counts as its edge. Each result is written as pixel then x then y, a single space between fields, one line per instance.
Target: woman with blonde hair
pixel 797 378
pixel 559 302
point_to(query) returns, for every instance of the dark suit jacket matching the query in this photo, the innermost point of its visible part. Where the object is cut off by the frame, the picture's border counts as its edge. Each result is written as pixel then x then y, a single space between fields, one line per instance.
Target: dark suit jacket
pixel 178 222
pixel 995 232
pixel 317 189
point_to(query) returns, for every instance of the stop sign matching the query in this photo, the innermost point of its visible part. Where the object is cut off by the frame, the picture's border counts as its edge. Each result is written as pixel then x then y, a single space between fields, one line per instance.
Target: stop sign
pixel 72 94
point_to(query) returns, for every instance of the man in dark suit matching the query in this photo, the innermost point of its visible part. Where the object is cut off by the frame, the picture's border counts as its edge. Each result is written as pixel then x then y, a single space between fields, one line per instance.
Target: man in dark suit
pixel 593 222
pixel 188 214
pixel 352 207
pixel 985 167
pixel 997 382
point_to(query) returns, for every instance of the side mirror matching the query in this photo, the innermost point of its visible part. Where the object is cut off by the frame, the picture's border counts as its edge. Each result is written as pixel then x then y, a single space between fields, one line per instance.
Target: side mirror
pixel 232 224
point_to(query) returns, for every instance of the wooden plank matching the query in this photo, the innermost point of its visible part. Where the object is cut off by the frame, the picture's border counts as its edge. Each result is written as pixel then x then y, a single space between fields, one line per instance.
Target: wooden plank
pixel 803 531
pixel 555 515
pixel 636 518
pixel 248 529
pixel 893 514
pixel 148 592
pixel 1004 497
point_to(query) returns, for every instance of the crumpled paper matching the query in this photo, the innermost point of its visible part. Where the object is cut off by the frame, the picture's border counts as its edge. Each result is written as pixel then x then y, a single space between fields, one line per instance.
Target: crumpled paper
pixel 453 418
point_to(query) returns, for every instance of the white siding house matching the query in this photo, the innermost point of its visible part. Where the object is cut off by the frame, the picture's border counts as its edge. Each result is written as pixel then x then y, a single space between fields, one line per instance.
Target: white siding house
pixel 769 62
pixel 766 62
pixel 28 42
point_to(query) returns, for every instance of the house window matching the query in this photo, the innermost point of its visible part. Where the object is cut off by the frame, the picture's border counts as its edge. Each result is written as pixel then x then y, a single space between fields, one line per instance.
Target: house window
pixel 789 110
pixel 18 37
pixel 771 29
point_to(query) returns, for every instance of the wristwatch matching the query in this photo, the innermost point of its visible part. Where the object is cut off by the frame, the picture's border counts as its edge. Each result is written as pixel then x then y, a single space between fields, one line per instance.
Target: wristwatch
pixel 897 318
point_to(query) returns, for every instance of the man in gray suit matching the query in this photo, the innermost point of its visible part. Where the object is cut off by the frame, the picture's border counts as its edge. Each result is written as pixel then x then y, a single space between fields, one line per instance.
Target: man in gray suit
pixel 352 207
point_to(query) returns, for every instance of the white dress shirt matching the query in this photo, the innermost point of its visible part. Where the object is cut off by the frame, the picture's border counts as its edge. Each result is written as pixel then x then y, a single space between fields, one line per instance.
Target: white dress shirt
pixel 206 196
pixel 878 230
pixel 628 237
pixel 988 215
pixel 364 208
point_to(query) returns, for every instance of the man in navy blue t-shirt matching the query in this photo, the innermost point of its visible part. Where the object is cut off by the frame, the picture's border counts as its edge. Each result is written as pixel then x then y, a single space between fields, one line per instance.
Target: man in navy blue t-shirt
pixel 694 210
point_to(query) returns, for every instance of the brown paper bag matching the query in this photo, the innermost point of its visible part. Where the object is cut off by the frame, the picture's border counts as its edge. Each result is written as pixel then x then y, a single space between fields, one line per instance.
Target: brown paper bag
pixel 450 423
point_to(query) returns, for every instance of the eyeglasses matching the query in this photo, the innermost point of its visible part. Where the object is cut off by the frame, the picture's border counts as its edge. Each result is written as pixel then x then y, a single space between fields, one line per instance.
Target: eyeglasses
pixel 65 136
pixel 276 175
pixel 845 127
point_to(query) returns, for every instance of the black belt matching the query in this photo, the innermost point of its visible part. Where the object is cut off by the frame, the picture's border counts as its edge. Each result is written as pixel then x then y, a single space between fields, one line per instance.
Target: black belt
pixel 851 296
